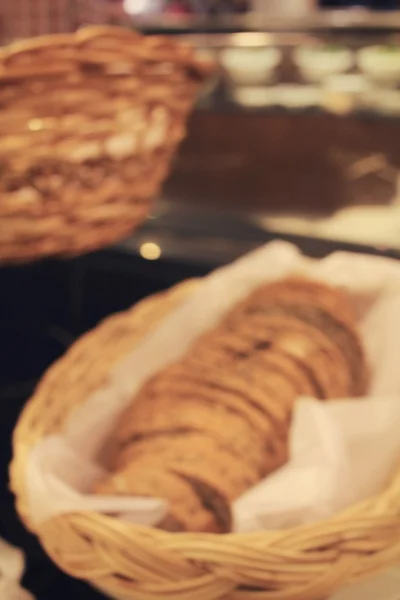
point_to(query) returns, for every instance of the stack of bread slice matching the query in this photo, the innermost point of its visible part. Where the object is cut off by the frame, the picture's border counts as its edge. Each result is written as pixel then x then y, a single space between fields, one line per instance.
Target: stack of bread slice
pixel 204 430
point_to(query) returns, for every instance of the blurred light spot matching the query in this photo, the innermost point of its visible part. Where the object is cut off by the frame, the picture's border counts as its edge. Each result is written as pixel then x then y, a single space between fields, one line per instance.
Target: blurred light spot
pixel 135 7
pixel 150 251
pixel 35 124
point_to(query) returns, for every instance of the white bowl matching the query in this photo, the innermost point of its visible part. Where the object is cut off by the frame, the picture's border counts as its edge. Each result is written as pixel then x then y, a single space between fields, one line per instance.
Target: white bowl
pixel 254 97
pixel 347 83
pixel 294 96
pixel 345 92
pixel 384 101
pixel 250 66
pixel 318 62
pixel 380 63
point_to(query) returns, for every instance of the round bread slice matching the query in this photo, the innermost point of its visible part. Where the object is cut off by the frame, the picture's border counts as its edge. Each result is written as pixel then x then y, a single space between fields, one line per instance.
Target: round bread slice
pixel 237 379
pixel 279 375
pixel 223 345
pixel 345 337
pixel 212 499
pixel 274 391
pixel 318 363
pixel 200 472
pixel 297 290
pixel 225 426
pixel 324 307
pixel 312 349
pixel 220 388
pixel 263 427
pixel 351 367
pixel 207 491
pixel 186 509
pixel 176 448
pixel 325 373
pixel 182 389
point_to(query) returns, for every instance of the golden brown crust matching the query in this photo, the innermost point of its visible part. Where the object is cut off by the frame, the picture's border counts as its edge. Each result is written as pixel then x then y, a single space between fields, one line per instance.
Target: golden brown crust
pixel 182 388
pixel 238 382
pixel 195 504
pixel 151 480
pixel 307 349
pixel 298 290
pixel 169 413
pixel 191 450
pixel 213 500
pixel 342 335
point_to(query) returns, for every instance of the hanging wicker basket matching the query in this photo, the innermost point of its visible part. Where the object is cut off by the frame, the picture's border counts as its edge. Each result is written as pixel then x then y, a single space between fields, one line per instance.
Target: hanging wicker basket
pixel 89 123
pixel 131 562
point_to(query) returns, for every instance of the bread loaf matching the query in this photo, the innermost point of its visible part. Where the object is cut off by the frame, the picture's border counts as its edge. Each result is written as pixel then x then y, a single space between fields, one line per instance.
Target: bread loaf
pixel 204 430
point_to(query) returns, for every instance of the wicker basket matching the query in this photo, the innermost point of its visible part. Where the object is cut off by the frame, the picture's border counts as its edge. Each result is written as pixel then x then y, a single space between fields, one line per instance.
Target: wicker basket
pixel 131 562
pixel 89 123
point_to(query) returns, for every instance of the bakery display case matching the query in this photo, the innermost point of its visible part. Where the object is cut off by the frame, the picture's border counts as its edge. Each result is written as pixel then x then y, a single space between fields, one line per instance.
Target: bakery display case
pixel 297 131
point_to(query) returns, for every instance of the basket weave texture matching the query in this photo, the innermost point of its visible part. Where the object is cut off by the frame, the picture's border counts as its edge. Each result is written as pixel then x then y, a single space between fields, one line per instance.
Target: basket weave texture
pixel 89 123
pixel 132 562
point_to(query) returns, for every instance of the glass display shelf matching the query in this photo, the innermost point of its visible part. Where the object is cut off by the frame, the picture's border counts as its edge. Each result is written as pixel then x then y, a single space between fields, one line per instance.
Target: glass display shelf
pixel 326 72
pixel 345 62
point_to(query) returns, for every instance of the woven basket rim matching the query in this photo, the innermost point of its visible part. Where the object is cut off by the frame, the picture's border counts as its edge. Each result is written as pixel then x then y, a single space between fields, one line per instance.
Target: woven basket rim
pixel 349 546
pixel 93 36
